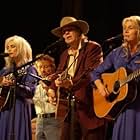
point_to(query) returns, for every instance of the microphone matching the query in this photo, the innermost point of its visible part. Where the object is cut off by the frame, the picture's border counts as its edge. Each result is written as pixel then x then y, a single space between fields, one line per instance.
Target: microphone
pixel 4 54
pixel 57 41
pixel 117 37
pixel 53 47
pixel 47 82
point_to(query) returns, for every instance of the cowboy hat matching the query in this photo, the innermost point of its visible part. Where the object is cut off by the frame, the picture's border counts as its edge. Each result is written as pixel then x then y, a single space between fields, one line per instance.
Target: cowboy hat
pixel 70 21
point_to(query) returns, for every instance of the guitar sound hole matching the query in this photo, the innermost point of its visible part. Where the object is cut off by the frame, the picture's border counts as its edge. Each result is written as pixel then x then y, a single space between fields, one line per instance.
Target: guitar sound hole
pixel 116 87
pixel 113 95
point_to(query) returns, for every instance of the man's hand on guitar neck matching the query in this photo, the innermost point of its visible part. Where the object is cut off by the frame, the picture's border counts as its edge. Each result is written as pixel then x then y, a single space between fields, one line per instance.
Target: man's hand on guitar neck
pixel 102 89
pixel 66 83
pixel 64 80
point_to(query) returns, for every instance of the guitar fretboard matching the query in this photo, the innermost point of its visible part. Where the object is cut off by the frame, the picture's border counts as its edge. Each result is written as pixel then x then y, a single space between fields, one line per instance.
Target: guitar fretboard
pixel 130 77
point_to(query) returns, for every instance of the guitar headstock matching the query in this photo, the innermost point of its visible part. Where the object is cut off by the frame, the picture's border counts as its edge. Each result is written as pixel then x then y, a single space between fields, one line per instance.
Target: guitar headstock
pixel 21 72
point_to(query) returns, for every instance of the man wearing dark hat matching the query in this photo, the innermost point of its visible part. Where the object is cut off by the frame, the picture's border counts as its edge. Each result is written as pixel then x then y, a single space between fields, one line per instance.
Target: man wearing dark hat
pixel 76 62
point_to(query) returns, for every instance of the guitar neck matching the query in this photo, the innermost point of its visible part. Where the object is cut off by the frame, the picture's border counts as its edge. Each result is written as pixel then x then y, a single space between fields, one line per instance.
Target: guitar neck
pixel 130 77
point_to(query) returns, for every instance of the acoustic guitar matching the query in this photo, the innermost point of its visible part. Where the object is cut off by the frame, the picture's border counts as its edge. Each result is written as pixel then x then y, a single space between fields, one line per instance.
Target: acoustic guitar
pixel 122 91
pixel 62 96
pixel 7 92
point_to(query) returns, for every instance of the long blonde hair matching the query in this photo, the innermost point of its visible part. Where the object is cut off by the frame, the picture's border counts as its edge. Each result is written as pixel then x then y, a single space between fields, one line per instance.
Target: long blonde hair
pixel 136 21
pixel 24 51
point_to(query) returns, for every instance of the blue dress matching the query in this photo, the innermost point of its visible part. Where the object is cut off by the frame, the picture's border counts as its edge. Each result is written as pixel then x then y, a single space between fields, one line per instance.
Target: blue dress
pixel 20 127
pixel 127 124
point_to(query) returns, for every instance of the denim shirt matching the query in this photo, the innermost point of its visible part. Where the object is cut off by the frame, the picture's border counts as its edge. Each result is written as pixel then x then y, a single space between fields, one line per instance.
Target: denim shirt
pixel 117 58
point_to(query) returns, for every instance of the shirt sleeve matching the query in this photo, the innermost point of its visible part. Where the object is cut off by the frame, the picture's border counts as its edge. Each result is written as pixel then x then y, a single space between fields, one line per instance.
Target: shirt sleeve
pixel 103 67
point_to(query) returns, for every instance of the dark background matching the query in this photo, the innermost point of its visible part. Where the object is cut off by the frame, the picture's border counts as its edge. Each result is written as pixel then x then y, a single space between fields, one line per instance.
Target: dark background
pixel 34 19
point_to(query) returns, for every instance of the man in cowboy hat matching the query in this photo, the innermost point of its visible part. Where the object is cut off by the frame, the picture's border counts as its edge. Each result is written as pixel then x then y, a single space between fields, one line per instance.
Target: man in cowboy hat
pixel 76 62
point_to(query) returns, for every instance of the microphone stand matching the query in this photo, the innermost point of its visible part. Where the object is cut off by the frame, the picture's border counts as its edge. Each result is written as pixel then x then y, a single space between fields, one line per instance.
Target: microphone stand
pixel 72 100
pixel 71 107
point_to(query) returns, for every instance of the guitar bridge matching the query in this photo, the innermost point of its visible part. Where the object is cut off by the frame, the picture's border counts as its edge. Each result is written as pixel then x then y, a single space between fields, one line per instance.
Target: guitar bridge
pixel 112 96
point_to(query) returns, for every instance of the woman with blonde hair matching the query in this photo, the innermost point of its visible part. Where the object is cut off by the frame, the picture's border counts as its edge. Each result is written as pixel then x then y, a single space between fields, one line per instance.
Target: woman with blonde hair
pixel 18 87
pixel 126 57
